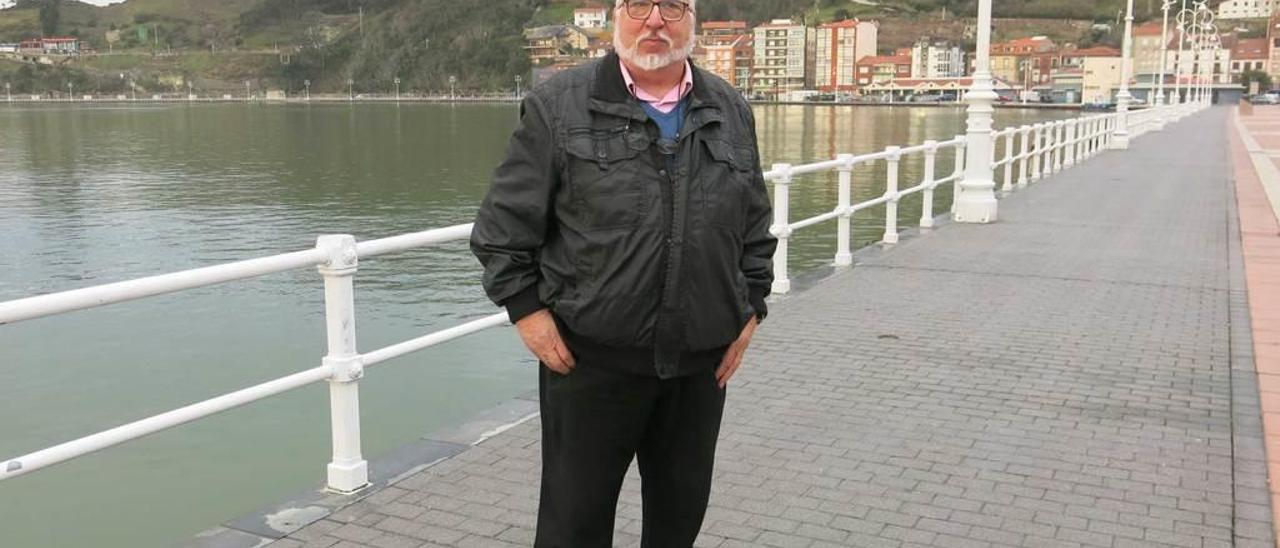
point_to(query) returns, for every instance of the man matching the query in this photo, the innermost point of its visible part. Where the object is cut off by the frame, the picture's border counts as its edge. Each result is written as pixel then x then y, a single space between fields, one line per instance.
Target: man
pixel 627 235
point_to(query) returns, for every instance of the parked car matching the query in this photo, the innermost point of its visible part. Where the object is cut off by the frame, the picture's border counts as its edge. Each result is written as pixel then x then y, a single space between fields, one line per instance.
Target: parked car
pixel 1265 99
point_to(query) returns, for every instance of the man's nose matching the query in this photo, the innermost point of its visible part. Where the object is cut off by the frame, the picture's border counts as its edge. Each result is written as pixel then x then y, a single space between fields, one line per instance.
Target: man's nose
pixel 655 20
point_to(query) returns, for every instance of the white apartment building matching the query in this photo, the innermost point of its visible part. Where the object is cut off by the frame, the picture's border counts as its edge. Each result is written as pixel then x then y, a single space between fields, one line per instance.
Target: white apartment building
pixel 591 18
pixel 1245 9
pixel 838 47
pixel 937 59
pixel 780 56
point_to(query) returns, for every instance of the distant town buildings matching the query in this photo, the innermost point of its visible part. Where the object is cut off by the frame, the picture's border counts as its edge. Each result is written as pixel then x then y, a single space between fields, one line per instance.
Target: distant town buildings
pixel 879 69
pixel 555 43
pixel 51 45
pixel 837 49
pixel 1025 62
pixel 1147 51
pixel 726 49
pixel 936 59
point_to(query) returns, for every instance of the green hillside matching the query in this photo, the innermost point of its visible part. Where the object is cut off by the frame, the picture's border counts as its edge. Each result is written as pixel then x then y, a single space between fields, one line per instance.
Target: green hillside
pixel 217 44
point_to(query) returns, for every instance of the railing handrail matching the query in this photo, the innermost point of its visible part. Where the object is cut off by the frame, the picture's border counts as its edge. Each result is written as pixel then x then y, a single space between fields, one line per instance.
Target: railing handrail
pixel 1043 147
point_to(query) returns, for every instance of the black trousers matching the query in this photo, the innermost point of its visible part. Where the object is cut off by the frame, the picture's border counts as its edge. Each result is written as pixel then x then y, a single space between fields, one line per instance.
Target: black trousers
pixel 594 421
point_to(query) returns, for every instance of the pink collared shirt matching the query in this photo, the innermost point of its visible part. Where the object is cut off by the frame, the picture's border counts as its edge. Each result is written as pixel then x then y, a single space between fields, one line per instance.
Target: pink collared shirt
pixel 663 104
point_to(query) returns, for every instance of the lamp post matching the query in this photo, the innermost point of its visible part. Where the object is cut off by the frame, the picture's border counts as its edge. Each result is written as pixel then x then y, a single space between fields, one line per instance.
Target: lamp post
pixel 1164 59
pixel 247 90
pixel 1178 72
pixel 133 90
pixel 518 79
pixel 975 200
pixel 453 81
pixel 1121 139
pixel 351 90
pixel 71 95
pixel 8 97
pixel 191 96
pixel 307 84
pixel 397 89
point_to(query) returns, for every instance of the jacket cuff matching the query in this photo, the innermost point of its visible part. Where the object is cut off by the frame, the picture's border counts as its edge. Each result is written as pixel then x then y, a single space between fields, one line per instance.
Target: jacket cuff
pixel 756 297
pixel 523 304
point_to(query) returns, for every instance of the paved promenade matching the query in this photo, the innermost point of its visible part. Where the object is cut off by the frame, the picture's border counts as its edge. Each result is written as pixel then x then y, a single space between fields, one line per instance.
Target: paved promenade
pixel 1074 375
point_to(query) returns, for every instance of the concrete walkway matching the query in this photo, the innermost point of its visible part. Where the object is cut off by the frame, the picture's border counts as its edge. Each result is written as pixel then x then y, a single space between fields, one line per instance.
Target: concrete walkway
pixel 1065 377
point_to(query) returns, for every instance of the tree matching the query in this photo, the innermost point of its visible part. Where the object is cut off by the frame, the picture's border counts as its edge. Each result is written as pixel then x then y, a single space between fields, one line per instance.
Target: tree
pixel 50 16
pixel 1261 77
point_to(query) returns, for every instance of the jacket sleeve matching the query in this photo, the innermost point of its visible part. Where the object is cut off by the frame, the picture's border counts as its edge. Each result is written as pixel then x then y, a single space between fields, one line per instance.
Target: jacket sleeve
pixel 511 226
pixel 758 244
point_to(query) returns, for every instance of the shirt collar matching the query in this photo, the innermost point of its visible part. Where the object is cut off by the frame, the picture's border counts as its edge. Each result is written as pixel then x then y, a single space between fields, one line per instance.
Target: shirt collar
pixel 672 97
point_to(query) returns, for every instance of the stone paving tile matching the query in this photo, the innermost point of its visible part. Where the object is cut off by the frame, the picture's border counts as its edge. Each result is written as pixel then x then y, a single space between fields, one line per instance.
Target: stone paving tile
pixel 1060 378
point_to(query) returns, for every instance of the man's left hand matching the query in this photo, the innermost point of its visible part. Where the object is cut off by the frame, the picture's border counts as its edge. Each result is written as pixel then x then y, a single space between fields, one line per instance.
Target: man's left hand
pixel 733 357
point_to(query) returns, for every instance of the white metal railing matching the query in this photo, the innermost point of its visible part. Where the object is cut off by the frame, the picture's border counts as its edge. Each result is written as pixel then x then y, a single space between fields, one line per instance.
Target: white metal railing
pixel 1027 154
pixel 337 258
pixel 1041 149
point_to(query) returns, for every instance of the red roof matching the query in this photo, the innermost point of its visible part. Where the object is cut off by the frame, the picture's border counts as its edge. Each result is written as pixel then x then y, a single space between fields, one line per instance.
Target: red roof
pixel 1098 51
pixel 1250 49
pixel 1148 29
pixel 845 24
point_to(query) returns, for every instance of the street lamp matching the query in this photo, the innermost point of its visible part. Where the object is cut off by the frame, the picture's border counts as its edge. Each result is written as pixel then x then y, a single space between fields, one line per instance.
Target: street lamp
pixel 518 79
pixel 191 96
pixel 453 81
pixel 71 96
pixel 397 89
pixel 247 90
pixel 351 90
pixel 307 84
pixel 1121 139
pixel 975 200
pixel 1164 56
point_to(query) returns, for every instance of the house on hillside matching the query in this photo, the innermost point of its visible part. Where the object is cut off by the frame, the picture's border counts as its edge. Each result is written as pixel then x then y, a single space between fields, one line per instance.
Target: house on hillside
pixel 50 45
pixel 554 43
pixel 591 18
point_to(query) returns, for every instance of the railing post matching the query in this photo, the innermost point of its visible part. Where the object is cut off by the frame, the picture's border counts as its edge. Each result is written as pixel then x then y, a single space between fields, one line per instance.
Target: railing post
pixel 844 250
pixel 962 154
pixel 930 165
pixel 1024 155
pixel 1046 163
pixel 348 472
pixel 1008 161
pixel 1060 144
pixel 781 226
pixel 891 192
pixel 1071 144
pixel 1037 145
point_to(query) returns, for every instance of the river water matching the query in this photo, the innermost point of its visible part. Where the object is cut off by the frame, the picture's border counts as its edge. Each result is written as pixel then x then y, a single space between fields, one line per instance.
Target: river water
pixel 97 194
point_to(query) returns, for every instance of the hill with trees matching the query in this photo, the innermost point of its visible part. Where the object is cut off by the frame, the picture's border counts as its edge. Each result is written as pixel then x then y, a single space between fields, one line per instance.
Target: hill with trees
pixel 218 44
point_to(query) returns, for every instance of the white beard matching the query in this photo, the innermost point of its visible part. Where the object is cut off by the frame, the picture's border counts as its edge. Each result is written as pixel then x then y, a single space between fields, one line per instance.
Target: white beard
pixel 650 61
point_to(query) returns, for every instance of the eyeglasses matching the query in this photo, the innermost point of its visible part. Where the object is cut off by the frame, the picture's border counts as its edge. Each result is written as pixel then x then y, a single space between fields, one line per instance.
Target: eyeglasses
pixel 670 10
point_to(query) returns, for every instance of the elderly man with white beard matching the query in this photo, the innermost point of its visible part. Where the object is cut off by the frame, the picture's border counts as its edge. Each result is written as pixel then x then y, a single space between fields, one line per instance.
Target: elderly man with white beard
pixel 627 235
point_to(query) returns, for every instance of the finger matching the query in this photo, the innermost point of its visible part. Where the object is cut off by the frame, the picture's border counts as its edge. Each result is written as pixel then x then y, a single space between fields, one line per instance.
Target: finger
pixel 727 364
pixel 733 368
pixel 566 357
pixel 553 363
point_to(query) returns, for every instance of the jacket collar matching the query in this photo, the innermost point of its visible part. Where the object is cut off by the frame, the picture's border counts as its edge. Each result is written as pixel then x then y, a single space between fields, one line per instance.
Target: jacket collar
pixel 609 91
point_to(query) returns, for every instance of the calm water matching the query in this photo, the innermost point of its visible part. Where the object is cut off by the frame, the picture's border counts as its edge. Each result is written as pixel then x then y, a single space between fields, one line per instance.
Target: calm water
pixel 92 195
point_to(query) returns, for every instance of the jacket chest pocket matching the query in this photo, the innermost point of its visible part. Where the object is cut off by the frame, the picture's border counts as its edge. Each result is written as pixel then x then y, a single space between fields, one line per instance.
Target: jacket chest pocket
pixel 725 179
pixel 607 174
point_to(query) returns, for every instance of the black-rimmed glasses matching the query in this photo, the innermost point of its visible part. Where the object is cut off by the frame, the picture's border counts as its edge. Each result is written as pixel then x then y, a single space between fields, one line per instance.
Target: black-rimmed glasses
pixel 670 10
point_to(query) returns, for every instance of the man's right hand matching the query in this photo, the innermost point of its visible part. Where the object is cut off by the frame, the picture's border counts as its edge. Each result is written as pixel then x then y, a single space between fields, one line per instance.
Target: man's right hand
pixel 539 333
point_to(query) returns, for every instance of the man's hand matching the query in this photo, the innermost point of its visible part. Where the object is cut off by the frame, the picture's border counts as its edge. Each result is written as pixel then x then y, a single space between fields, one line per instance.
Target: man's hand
pixel 539 333
pixel 733 357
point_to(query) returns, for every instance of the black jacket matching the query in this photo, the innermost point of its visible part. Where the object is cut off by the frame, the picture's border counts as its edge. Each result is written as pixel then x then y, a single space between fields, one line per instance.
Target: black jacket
pixel 647 261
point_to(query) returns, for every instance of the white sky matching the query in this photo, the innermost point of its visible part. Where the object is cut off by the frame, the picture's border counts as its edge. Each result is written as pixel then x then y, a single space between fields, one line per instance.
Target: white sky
pixel 7 3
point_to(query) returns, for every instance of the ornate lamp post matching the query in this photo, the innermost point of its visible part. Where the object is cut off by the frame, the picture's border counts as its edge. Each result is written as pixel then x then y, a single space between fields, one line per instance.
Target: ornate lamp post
pixel 1121 139
pixel 191 96
pixel 453 81
pixel 1164 59
pixel 351 90
pixel 397 80
pixel 1184 20
pixel 71 96
pixel 975 200
pixel 307 84
pixel 518 79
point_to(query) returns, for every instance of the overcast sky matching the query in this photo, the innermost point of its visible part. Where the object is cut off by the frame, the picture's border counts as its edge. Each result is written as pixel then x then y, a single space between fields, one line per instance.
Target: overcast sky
pixel 7 3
